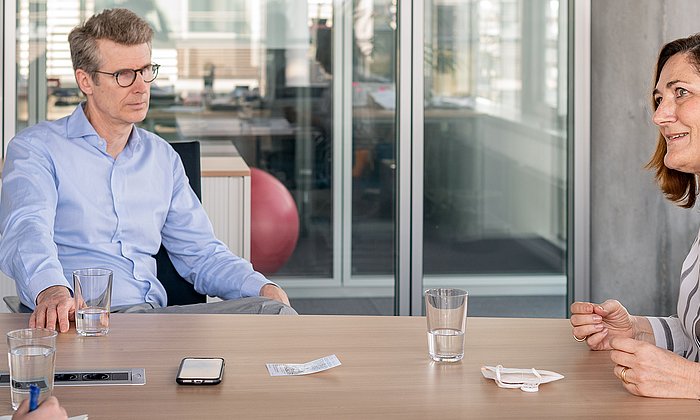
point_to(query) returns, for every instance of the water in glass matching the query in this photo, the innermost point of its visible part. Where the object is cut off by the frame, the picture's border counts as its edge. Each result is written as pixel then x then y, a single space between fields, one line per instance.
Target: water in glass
pixel 32 364
pixel 446 344
pixel 92 321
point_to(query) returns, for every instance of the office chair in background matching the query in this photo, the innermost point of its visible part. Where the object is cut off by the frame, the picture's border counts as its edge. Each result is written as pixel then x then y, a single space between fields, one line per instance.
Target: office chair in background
pixel 179 290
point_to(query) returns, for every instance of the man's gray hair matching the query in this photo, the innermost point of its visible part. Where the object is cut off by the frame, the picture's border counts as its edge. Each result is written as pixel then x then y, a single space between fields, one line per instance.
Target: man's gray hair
pixel 117 25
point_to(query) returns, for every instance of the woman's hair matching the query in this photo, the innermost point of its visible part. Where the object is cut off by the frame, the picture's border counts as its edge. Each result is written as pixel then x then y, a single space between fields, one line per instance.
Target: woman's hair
pixel 118 25
pixel 679 187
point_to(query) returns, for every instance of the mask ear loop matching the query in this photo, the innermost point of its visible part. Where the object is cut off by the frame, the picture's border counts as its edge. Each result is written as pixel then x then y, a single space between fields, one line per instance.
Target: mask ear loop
pixel 532 386
pixel 500 383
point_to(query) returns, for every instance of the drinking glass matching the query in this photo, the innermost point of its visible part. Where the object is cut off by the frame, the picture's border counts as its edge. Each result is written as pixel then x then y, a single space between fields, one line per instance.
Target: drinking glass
pixel 32 357
pixel 93 298
pixel 446 312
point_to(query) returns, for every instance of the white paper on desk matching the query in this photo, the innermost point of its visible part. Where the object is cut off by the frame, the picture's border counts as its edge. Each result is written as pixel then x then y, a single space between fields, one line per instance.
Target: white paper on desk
pixel 80 417
pixel 294 369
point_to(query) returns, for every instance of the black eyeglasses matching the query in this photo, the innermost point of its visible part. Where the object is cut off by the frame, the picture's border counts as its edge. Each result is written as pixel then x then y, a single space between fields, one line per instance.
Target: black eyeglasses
pixel 127 77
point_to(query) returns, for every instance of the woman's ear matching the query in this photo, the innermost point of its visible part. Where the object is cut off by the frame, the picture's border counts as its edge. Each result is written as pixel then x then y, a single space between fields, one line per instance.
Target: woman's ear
pixel 84 80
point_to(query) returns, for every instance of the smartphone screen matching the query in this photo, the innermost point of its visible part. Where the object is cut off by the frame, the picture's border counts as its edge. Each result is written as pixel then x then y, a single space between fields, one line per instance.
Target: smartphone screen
pixel 200 371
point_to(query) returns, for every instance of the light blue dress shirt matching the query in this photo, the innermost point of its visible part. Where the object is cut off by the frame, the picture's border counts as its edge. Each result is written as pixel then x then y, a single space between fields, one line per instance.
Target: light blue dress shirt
pixel 67 204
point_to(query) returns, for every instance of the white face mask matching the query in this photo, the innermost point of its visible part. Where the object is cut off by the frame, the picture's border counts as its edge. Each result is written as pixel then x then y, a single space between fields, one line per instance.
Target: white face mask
pixel 527 380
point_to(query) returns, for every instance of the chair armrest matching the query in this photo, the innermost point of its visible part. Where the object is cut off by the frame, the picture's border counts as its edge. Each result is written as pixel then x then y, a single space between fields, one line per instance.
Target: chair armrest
pixel 14 304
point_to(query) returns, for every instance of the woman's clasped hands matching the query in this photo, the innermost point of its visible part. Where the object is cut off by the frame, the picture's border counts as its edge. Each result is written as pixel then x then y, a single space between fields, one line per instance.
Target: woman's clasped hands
pixel 644 369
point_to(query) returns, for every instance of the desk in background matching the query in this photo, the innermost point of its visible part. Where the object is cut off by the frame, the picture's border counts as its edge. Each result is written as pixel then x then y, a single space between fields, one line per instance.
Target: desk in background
pixel 227 128
pixel 226 199
pixel 385 370
pixel 271 144
pixel 247 134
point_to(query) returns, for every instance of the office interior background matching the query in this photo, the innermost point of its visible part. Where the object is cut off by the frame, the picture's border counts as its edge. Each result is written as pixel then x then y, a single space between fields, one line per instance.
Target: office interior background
pixel 492 145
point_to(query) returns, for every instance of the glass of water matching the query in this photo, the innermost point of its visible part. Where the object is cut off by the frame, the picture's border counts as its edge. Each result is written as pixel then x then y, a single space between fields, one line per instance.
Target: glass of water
pixel 446 312
pixel 32 357
pixel 93 297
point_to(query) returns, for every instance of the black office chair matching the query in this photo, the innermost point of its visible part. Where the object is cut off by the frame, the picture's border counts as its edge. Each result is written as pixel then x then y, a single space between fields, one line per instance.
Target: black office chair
pixel 179 290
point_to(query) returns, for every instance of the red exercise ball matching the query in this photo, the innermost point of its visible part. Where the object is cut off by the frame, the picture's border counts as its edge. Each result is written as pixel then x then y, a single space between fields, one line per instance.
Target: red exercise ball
pixel 274 222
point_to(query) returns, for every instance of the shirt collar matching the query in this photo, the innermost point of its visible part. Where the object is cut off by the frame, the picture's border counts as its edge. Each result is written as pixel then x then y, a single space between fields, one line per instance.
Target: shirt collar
pixel 79 127
pixel 78 124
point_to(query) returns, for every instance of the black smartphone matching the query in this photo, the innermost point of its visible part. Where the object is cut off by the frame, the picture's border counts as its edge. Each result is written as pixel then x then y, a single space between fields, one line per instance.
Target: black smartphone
pixel 200 371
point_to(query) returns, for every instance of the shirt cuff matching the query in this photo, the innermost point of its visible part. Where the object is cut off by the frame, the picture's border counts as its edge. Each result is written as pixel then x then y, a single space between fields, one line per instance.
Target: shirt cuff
pixel 40 282
pixel 253 283
pixel 669 334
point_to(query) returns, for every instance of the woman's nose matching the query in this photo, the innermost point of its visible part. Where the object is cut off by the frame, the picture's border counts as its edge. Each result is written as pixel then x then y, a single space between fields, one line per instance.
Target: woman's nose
pixel 665 113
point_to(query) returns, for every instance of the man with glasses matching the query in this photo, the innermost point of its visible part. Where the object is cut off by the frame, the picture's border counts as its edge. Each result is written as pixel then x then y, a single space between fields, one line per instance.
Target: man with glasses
pixel 94 190
pixel 127 77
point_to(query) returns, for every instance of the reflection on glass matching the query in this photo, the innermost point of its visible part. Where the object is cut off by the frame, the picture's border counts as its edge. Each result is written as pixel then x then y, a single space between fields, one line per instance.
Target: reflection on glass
pixel 260 75
pixel 374 137
pixel 495 148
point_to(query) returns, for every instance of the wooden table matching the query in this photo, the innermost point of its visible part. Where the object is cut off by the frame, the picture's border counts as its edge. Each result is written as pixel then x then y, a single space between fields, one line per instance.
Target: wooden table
pixel 385 370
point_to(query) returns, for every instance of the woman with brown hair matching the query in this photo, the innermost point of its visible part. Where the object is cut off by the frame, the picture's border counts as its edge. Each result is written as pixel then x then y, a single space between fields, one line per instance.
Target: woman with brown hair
pixel 658 356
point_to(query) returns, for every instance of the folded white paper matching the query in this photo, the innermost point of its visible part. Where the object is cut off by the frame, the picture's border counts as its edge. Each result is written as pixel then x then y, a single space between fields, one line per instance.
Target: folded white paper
pixel 527 380
pixel 293 369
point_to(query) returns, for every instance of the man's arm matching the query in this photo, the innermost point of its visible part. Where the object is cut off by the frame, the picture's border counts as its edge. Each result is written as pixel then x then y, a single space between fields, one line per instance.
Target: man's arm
pixel 201 258
pixel 28 253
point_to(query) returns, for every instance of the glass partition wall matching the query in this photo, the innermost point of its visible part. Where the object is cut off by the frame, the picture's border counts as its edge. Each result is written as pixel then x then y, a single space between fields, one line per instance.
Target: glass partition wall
pixel 308 91
pixel 495 144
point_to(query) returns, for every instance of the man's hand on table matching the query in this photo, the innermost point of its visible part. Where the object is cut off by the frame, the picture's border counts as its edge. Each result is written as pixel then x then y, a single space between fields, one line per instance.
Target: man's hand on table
pixel 273 292
pixel 54 304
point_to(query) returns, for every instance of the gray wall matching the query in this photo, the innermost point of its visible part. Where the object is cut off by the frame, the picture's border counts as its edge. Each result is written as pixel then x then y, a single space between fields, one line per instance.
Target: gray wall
pixel 638 238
